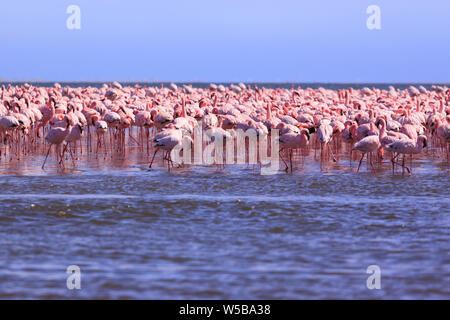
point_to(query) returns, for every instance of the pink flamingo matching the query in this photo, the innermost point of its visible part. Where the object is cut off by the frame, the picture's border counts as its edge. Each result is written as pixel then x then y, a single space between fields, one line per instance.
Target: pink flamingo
pixel 324 134
pixel 167 140
pixel 56 136
pixel 292 141
pixel 368 144
pixel 407 147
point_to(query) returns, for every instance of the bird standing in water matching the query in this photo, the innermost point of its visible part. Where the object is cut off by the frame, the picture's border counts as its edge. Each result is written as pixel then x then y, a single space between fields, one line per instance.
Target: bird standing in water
pixel 56 136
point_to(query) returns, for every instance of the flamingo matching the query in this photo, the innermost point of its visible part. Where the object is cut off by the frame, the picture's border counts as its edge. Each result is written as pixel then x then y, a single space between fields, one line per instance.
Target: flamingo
pixel 407 147
pixel 74 135
pixel 324 134
pixel 292 141
pixel 442 130
pixel 368 144
pixel 101 128
pixel 167 140
pixel 56 136
pixel 335 116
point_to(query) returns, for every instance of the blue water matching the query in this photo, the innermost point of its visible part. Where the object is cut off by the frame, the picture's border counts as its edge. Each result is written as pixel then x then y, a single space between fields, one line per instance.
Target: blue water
pixel 207 233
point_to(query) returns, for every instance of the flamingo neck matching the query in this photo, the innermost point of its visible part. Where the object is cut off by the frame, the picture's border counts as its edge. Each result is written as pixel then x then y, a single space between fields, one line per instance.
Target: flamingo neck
pixel 183 109
pixel 437 123
pixel 383 130
pixel 419 145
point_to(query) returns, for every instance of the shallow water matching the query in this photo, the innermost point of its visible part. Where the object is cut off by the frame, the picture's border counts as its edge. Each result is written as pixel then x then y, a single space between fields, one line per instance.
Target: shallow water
pixel 201 232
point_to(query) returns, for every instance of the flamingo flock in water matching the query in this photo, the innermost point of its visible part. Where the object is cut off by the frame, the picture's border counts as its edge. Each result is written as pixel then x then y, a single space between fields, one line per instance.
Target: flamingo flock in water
pixel 375 122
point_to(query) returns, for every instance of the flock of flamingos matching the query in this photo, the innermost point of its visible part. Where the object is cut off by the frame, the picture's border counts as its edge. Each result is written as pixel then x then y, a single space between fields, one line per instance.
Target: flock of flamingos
pixel 386 125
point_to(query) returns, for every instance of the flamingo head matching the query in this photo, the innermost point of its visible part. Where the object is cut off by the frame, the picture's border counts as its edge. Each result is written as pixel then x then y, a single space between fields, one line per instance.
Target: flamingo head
pixel 153 114
pixel 306 134
pixel 69 119
pixel 280 126
pixel 380 121
pixel 337 130
pixel 424 140
pixel 312 129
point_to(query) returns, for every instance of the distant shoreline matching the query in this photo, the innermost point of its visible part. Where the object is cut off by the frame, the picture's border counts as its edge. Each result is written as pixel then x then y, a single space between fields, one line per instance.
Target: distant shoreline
pixel 314 85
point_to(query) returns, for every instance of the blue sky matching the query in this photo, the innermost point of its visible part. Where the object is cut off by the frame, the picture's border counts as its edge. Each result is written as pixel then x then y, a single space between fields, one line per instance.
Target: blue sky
pixel 226 40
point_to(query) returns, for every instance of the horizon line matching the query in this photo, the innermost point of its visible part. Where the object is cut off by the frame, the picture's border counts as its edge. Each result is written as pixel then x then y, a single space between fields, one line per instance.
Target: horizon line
pixel 218 82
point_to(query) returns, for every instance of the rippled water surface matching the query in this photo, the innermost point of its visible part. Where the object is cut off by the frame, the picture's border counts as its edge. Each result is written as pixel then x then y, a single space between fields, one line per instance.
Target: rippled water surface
pixel 205 233
pixel 200 232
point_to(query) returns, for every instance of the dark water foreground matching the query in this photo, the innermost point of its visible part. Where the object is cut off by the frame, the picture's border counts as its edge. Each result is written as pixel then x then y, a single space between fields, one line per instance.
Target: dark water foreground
pixel 203 233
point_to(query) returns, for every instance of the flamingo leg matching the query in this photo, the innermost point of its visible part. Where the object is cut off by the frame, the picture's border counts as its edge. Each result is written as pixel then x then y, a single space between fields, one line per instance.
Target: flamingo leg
pixel 331 151
pixel 395 156
pixel 151 162
pixel 393 163
pixel 147 134
pixel 98 144
pixel 371 161
pixel 132 138
pixel 290 158
pixel 403 165
pixel 71 156
pixel 360 161
pixel 46 156
pixel 63 152
pixel 283 159
pixel 168 161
